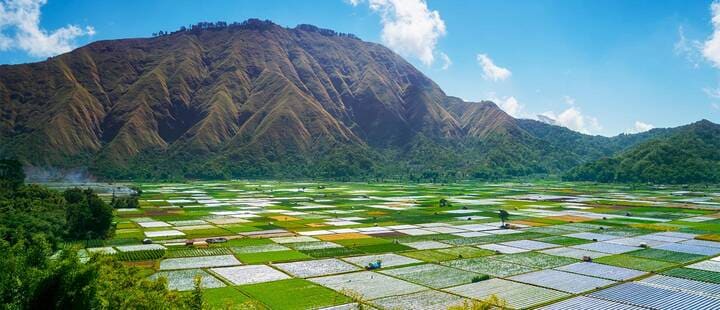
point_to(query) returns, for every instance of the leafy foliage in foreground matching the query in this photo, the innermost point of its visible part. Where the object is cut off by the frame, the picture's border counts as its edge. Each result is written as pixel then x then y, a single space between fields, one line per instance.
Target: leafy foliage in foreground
pixel 33 279
pixel 41 271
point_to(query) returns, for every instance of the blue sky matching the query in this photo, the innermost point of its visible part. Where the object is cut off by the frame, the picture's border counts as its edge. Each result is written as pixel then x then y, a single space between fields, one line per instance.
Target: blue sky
pixel 602 67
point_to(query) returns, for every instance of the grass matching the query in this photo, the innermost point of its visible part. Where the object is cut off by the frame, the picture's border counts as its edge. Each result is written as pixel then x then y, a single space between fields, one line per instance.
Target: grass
pixel 140 255
pixel 562 240
pixel 196 252
pixel 293 294
pixel 627 261
pixel 247 242
pixel 383 248
pixel 487 265
pixel 465 252
pixel 536 260
pixel 279 256
pixel 361 242
pixel 709 237
pixel 225 298
pixel 666 256
pixel 694 274
pixel 434 276
pixel 331 252
pixel 431 256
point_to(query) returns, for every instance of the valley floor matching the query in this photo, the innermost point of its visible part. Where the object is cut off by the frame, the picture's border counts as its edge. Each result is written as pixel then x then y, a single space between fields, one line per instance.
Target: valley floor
pixel 309 245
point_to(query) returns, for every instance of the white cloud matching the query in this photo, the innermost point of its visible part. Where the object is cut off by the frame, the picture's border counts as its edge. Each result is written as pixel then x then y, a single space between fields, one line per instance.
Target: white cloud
pixel 492 71
pixel 711 47
pixel 447 62
pixel 573 118
pixel 409 27
pixel 640 127
pixel 20 29
pixel 569 100
pixel 690 49
pixel 712 92
pixel 511 106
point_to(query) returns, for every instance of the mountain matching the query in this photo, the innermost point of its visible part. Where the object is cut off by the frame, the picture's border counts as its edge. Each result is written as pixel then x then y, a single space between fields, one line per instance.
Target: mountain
pixel 255 99
pixel 687 154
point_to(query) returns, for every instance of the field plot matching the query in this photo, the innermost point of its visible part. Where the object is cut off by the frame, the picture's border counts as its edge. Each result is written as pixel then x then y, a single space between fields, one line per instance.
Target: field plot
pixel 199 262
pixel 387 260
pixel 370 285
pixel 666 256
pixel 504 249
pixel 708 265
pixel 294 294
pixel 562 281
pixel 654 297
pixel 420 300
pixel 314 268
pixel 589 303
pixel 184 280
pixel 435 276
pixel 602 271
pixel 487 265
pixel 574 253
pixel 192 252
pixel 249 274
pixel 690 249
pixel 694 274
pixel 683 284
pixel 627 261
pixel 427 245
pixel 606 247
pixel 516 295
pixel 529 244
pixel 536 260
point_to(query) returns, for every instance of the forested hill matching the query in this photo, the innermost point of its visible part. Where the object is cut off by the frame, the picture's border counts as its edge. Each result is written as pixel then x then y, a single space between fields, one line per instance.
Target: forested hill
pixel 690 154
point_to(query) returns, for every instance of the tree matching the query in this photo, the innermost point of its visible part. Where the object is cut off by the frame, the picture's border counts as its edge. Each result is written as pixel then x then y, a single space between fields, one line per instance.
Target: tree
pixel 37 273
pixel 196 300
pixel 444 203
pixel 490 303
pixel 504 215
pixel 88 216
pixel 124 202
pixel 11 173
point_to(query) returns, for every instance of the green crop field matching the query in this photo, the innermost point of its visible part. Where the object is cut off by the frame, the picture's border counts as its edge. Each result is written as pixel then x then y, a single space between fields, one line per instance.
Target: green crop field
pixel 437 251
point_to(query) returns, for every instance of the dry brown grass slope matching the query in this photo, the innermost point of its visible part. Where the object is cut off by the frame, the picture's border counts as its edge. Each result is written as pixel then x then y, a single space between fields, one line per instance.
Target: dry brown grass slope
pixel 260 87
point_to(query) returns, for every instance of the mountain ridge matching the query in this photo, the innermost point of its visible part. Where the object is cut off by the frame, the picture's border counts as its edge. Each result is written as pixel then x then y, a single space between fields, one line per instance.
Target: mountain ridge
pixel 256 99
pixel 687 154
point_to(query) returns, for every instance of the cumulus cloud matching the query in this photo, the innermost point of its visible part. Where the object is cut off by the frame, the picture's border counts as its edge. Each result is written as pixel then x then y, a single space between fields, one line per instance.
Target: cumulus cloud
pixel 446 62
pixel 640 127
pixel 20 29
pixel 574 119
pixel 409 27
pixel 492 71
pixel 711 47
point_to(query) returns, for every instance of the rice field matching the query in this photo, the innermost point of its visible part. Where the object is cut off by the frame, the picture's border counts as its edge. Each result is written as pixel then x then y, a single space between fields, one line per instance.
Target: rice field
pixel 312 245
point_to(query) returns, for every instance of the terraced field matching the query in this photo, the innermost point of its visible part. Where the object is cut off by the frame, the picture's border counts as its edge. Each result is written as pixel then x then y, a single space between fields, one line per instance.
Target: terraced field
pixel 315 245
